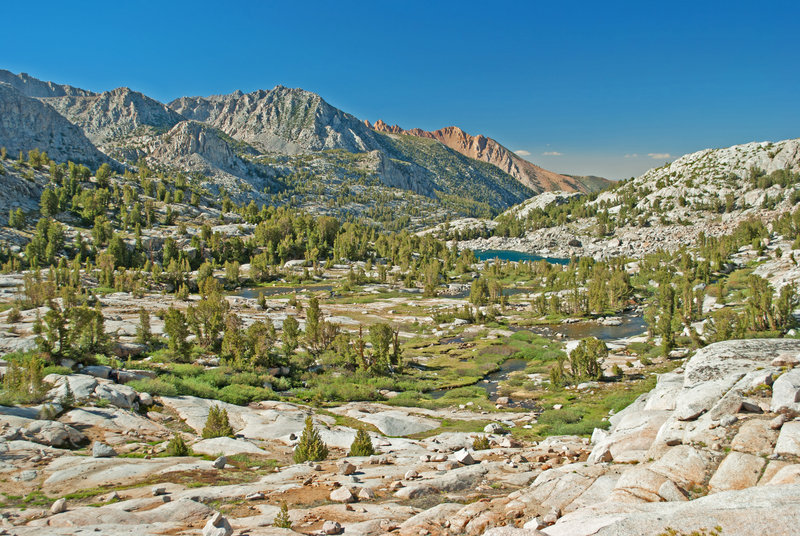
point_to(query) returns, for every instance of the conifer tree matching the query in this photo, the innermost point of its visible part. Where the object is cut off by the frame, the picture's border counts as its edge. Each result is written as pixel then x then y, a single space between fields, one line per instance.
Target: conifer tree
pixel 282 520
pixel 362 445
pixel 217 423
pixel 310 447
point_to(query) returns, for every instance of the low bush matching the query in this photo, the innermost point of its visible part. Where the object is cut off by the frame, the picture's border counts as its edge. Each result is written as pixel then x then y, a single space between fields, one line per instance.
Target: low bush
pixel 241 395
pixel 155 387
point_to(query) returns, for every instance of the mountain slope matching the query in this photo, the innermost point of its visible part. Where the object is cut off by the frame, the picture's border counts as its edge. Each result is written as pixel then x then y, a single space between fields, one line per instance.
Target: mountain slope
pixel 296 122
pixel 33 87
pixel 283 141
pixel 488 150
pixel 195 147
pixel 710 192
pixel 113 114
pixel 27 123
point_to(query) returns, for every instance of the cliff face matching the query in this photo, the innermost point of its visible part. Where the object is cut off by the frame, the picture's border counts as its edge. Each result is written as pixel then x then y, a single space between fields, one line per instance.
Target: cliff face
pixel 488 150
pixel 27 123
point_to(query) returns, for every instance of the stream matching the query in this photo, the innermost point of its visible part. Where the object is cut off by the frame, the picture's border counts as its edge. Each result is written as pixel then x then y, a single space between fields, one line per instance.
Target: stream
pixel 253 292
pixel 631 326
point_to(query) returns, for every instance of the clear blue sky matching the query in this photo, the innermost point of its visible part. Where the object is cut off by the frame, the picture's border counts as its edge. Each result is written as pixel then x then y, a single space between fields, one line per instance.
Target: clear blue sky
pixel 609 88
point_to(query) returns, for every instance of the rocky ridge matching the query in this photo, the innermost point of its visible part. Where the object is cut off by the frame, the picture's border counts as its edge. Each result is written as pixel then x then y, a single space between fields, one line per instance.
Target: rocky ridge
pixel 33 87
pixel 488 150
pixel 678 200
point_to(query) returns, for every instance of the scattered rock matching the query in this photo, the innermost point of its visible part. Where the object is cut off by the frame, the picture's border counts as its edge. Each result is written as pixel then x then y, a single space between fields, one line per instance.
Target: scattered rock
pixel 777 422
pixel 101 450
pixel 342 495
pixel 494 428
pixel 331 527
pixel 59 506
pixel 366 494
pixel 463 457
pixel 346 468
pixel 217 526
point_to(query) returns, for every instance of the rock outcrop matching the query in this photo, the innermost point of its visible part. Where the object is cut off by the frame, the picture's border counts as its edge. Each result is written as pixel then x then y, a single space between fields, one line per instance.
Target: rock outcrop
pixel 704 450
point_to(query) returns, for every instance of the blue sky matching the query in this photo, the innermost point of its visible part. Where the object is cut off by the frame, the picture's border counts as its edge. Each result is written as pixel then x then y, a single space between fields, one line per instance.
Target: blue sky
pixel 607 88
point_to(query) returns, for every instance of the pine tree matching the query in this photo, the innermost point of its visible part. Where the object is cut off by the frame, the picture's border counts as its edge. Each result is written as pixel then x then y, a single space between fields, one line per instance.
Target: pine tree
pixel 282 520
pixel 177 446
pixel 217 423
pixel 68 400
pixel 143 333
pixel 311 447
pixel 362 445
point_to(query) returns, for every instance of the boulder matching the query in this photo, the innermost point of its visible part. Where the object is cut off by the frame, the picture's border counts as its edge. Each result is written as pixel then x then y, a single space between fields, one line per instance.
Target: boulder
pixel 331 527
pixel 342 495
pixel 217 526
pixel 101 450
pixel 82 386
pixel 684 465
pixel 749 512
pixel 53 433
pixel 98 371
pixel 121 396
pixel 59 506
pixel 366 494
pixel 128 349
pixel 789 440
pixel 755 436
pixel 346 468
pixel 397 423
pixel 737 471
pixel 464 457
pixel 227 446
pixel 494 428
pixel 786 392
pixel 220 462
pixel 788 474
pixel 127 376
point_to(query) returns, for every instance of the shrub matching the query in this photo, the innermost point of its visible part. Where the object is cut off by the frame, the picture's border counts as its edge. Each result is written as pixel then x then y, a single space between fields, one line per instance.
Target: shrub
pixel 282 519
pixel 14 316
pixel 311 447
pixel 560 416
pixel 217 423
pixel 480 443
pixel 362 445
pixel 155 387
pixel 177 446
pixel 22 383
pixel 240 394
